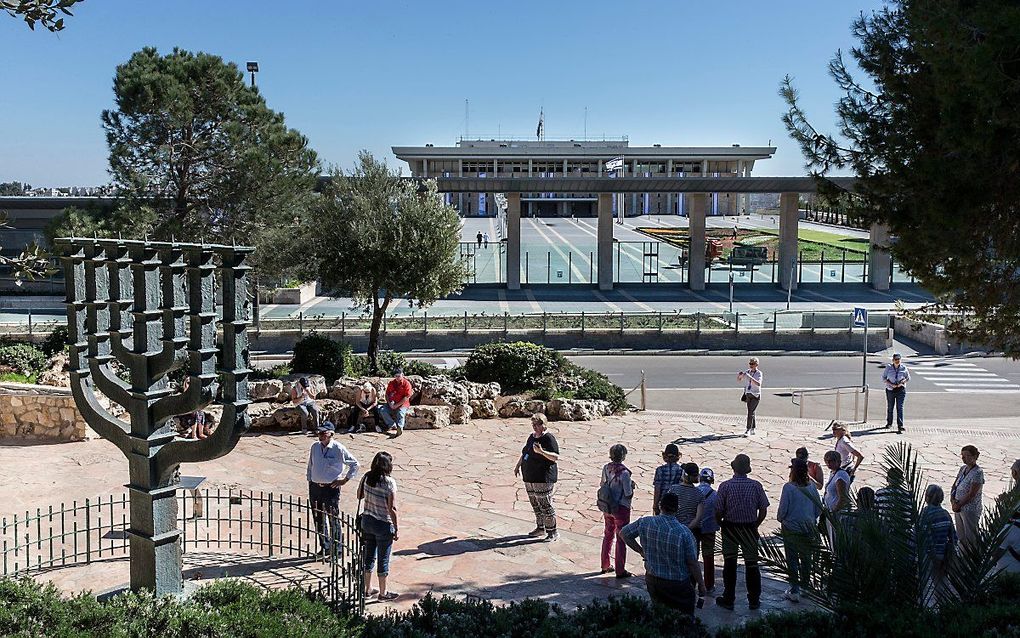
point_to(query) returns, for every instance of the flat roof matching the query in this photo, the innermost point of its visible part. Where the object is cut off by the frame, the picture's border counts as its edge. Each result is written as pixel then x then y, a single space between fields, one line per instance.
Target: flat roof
pixel 582 150
pixel 637 184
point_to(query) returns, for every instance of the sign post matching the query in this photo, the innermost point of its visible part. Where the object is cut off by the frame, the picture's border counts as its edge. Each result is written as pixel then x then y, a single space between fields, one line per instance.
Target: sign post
pixel 860 319
pixel 731 293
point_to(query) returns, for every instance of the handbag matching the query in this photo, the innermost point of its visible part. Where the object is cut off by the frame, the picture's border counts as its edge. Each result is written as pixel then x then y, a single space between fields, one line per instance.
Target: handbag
pixel 743 397
pixel 358 516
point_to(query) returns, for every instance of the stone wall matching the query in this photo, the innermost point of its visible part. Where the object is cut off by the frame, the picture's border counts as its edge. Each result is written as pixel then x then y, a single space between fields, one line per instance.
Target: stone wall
pixel 39 413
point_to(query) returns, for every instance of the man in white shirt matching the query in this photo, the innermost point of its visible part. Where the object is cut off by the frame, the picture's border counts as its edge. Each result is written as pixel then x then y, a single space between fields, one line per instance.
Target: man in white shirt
pixel 330 466
pixel 895 377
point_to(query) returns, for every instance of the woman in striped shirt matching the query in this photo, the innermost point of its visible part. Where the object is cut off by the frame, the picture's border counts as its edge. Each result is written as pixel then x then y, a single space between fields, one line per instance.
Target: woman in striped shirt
pixel 379 523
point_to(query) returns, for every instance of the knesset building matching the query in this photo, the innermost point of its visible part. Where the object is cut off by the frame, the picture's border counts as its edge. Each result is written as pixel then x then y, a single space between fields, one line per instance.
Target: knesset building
pixel 555 159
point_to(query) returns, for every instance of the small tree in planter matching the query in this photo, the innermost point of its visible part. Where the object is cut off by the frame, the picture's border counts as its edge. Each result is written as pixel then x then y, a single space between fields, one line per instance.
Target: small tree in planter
pixel 375 237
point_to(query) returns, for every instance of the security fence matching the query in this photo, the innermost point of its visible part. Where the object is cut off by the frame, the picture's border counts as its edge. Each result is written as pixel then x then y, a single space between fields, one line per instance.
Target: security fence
pixel 236 521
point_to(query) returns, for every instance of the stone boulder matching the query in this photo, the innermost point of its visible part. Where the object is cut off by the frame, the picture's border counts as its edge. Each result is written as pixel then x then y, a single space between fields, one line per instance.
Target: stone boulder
pixel 265 390
pixel 483 408
pixel 289 418
pixel 521 408
pixel 316 383
pixel 346 388
pixel 577 409
pixel 441 390
pixel 478 391
pixel 263 415
pixel 56 372
pixel 460 414
pixel 427 417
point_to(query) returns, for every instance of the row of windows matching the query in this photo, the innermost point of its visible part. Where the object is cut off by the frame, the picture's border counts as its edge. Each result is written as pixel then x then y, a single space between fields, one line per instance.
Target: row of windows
pixel 442 167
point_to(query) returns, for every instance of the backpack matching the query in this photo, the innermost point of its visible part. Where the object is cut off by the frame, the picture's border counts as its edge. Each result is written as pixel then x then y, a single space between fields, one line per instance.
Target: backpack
pixel 610 494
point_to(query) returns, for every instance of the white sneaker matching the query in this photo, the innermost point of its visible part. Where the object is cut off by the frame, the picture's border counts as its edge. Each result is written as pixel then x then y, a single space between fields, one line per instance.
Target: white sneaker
pixel 790 596
pixel 752 431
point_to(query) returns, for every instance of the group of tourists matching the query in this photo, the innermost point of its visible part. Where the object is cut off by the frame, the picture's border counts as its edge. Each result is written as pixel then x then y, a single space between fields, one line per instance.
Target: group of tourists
pixel 389 416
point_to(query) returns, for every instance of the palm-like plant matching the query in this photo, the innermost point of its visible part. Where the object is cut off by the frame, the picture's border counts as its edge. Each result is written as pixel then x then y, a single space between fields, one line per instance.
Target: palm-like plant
pixel 882 557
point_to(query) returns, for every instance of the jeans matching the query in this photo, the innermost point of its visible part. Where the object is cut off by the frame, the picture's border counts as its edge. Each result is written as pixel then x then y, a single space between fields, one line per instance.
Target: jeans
pixel 675 594
pixel 308 408
pixel 799 545
pixel 393 417
pixel 613 524
pixel 377 537
pixel 325 504
pixel 752 405
pixel 706 547
pixel 894 397
pixel 742 538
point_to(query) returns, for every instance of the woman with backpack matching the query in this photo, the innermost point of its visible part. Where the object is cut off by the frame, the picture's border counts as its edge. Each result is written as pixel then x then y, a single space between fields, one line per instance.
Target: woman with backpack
pixel 799 509
pixel 614 499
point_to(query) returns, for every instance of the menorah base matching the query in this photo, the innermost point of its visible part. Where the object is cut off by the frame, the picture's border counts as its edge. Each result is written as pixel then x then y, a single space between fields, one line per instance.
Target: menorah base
pixel 156 562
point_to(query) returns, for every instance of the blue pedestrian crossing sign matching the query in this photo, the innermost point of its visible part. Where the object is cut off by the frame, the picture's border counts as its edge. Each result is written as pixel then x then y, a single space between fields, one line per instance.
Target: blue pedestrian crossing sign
pixel 860 317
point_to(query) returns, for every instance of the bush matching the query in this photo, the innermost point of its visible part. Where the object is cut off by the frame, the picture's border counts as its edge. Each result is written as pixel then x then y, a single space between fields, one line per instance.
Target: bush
pixel 318 354
pixel 264 374
pixel 422 368
pixel 515 366
pixel 595 385
pixel 23 358
pixel 55 342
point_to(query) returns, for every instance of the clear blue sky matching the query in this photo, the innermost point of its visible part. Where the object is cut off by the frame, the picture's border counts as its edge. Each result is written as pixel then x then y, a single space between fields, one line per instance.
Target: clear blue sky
pixel 375 74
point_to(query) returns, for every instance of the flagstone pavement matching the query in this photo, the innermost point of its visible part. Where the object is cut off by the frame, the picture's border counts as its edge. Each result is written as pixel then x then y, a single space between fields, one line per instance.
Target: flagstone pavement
pixel 464 516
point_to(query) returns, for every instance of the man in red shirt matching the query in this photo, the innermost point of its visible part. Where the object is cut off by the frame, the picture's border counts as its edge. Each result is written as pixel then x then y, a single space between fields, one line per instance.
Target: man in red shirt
pixel 398 399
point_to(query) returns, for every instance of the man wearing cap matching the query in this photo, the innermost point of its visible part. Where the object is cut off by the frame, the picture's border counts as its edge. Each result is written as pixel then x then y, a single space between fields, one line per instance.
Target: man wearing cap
pixel 704 534
pixel 398 399
pixel 895 377
pixel 330 466
pixel 741 506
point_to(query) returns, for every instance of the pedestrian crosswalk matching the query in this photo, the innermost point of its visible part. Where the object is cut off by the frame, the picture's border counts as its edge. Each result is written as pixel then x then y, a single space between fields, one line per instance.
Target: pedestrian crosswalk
pixel 960 376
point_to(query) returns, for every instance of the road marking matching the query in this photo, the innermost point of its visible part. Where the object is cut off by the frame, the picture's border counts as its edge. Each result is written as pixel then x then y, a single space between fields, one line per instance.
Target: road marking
pixel 535 307
pixel 574 269
pixel 631 298
pixel 981 391
pixel 605 300
pixel 1004 383
pixel 503 305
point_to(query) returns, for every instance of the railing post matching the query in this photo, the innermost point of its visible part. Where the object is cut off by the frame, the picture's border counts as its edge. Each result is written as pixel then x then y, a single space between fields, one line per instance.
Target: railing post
pixel 842 272
pixel 821 269
pixel 775 322
pixel 30 322
pixel 384 322
pixel 570 267
pixel 544 323
pixel 621 322
pixel 425 322
pixel 88 533
pixel 660 322
pixel 736 322
pixel 812 323
pixel 643 397
pixel 506 323
pixel 270 524
pixel 697 323
pixel 465 323
pixel 582 323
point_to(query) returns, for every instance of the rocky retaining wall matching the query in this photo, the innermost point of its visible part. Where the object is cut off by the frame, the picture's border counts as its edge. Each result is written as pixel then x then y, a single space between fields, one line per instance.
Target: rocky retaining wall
pixel 39 413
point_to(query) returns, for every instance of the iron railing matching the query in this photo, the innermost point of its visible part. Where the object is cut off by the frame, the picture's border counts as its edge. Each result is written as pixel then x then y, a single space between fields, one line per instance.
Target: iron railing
pixel 273 525
pixel 800 398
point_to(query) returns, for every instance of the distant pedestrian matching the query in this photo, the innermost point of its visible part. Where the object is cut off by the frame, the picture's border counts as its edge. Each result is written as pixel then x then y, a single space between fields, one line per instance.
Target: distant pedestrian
pixel 965 496
pixel 690 499
pixel 799 509
pixel 850 456
pixel 837 494
pixel 302 398
pixel 537 466
pixel 194 423
pixel 618 485
pixel 751 378
pixel 936 534
pixel 365 405
pixel 485 239
pixel 379 523
pixel 815 474
pixel 671 561
pixel 705 532
pixel 740 509
pixel 478 237
pixel 734 232
pixel 666 475
pixel 398 400
pixel 895 377
pixel 330 467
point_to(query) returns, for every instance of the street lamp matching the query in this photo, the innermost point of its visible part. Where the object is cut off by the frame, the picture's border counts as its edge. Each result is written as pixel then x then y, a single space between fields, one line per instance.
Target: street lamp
pixel 253 68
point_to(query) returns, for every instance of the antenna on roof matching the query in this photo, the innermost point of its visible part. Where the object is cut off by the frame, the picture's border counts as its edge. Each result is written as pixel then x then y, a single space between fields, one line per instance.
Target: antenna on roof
pixel 467 115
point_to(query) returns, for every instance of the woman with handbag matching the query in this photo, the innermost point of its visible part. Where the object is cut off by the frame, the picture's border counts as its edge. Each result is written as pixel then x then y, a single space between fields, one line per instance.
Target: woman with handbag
pixel 378 524
pixel 751 378
pixel 799 509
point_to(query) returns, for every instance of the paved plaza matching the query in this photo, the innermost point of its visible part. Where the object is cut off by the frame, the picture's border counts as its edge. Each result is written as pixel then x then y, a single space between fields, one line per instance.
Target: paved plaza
pixel 463 515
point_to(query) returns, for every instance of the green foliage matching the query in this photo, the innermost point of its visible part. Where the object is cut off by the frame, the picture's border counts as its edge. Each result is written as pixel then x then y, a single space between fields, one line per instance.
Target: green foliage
pixel 13 188
pixel 276 372
pixel 55 342
pixel 223 609
pixel 515 366
pixel 372 236
pixel 24 358
pixel 17 377
pixel 197 154
pixel 45 12
pixel 931 134
pixel 102 221
pixel 422 368
pixel 318 354
pixel 595 385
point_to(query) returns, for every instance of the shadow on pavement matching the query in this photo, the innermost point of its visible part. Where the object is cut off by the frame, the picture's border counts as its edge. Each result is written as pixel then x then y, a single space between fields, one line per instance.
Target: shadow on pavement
pixel 453 546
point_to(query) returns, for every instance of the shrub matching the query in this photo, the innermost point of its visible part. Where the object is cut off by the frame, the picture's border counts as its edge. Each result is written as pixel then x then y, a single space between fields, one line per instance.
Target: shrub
pixel 23 358
pixel 422 368
pixel 515 366
pixel 55 342
pixel 276 372
pixel 389 361
pixel 318 354
pixel 595 385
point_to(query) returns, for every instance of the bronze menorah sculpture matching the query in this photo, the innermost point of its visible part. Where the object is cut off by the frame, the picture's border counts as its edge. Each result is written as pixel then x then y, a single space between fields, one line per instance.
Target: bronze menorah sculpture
pixel 150 306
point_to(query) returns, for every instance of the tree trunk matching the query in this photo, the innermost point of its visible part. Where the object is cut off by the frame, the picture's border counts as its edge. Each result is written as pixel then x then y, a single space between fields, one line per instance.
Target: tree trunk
pixel 378 310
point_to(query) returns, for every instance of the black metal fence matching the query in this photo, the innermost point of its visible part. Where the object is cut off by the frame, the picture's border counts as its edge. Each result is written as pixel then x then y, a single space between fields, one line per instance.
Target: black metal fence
pixel 272 525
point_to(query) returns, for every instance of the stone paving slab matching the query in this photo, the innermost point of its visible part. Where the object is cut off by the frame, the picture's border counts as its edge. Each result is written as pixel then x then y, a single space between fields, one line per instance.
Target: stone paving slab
pixel 463 513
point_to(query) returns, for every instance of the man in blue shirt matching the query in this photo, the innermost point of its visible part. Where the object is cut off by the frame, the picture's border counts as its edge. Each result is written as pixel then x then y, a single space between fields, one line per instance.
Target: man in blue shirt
pixel 671 561
pixel 895 377
pixel 330 466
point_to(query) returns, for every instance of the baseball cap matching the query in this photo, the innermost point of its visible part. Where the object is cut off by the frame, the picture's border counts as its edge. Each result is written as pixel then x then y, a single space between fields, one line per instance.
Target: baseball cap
pixel 326 426
pixel 896 355
pixel 707 475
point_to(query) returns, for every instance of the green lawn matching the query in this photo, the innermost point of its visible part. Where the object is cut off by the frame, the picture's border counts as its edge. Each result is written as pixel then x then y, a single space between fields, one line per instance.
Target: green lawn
pixel 814 245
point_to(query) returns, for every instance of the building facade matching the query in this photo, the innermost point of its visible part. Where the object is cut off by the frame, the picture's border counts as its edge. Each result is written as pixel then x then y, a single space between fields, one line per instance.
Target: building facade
pixel 570 158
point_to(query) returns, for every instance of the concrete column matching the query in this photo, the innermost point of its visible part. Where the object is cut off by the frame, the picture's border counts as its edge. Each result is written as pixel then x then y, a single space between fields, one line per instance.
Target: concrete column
pixel 696 253
pixel 513 241
pixel 605 241
pixel 879 259
pixel 789 218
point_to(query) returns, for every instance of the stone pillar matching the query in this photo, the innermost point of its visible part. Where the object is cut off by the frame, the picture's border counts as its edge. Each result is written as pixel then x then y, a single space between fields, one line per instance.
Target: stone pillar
pixel 605 241
pixel 879 259
pixel 789 218
pixel 513 241
pixel 696 252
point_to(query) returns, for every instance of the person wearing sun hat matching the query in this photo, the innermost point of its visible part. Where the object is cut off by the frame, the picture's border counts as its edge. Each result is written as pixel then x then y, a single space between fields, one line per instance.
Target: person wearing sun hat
pixel 740 508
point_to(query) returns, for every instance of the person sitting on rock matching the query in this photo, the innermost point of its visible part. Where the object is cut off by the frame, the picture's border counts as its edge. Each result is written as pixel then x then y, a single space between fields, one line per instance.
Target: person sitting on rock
pixel 364 406
pixel 398 400
pixel 304 400
pixel 194 423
